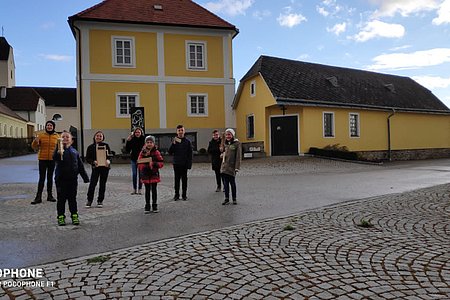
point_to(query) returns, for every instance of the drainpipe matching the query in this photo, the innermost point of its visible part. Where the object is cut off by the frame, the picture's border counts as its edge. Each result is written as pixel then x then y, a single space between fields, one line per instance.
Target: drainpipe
pixel 81 134
pixel 389 133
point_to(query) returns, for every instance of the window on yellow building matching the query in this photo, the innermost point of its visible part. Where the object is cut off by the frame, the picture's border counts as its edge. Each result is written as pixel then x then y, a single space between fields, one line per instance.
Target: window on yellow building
pixel 354 124
pixel 253 88
pixel 250 126
pixel 124 103
pixel 197 105
pixel 123 51
pixel 196 55
pixel 328 124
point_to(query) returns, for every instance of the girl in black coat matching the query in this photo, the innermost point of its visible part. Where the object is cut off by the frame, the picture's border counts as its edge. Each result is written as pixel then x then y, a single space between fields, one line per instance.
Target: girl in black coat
pixel 135 142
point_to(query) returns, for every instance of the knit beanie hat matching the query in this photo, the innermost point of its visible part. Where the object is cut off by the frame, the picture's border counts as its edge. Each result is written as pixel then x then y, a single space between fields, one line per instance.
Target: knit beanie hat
pixel 230 130
pixel 150 138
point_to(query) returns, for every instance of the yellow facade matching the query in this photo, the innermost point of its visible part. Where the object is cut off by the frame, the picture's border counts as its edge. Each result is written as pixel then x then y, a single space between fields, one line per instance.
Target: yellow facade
pixel 12 127
pixel 177 100
pixel 254 105
pixel 175 55
pixel 104 98
pixel 159 77
pixel 408 130
pixel 101 56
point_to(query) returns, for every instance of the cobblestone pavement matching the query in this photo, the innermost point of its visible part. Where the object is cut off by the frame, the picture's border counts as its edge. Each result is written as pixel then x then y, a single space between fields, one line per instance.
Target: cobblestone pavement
pixel 318 254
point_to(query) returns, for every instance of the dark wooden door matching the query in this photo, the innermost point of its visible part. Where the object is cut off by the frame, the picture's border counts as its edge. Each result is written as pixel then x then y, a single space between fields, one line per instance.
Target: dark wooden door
pixel 284 133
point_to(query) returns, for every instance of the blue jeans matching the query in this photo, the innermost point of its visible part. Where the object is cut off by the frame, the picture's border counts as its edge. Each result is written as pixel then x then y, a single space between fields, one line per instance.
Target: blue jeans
pixel 134 175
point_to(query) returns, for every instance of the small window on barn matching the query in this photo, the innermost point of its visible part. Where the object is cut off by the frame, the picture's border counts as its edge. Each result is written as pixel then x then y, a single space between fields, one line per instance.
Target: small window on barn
pixel 328 124
pixel 353 120
pixel 250 126
pixel 253 88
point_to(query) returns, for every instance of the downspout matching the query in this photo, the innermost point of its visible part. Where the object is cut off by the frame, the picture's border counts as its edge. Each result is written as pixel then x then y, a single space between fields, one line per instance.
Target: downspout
pixel 81 134
pixel 389 134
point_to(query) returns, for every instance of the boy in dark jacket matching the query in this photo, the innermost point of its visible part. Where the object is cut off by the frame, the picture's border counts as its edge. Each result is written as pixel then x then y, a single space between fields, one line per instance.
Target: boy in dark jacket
pixel 98 171
pixel 68 166
pixel 181 149
pixel 214 150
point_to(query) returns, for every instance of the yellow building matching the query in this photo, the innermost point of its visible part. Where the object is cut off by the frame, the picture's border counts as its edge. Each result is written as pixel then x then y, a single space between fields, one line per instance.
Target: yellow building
pixel 286 107
pixel 11 124
pixel 171 57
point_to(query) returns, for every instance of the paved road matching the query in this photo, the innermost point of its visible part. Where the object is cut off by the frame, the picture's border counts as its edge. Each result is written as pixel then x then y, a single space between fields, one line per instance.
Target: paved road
pixel 269 188
pixel 318 254
pixel 30 237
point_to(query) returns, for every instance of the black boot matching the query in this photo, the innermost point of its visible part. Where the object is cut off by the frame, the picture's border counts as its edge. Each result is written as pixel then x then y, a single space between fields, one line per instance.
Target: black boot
pixel 37 199
pixel 50 197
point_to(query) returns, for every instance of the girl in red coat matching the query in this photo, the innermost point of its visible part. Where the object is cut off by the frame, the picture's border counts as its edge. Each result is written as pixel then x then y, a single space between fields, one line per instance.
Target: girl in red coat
pixel 149 162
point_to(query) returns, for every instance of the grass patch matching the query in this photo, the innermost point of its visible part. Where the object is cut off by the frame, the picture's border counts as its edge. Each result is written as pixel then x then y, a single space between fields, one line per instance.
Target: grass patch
pixel 365 223
pixel 288 227
pixel 98 259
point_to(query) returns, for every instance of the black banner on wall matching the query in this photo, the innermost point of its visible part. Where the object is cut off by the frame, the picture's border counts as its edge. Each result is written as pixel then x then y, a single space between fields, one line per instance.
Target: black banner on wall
pixel 137 118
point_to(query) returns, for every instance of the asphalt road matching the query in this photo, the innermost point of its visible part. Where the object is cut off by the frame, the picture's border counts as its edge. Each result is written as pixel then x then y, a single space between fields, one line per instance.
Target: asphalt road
pixel 261 195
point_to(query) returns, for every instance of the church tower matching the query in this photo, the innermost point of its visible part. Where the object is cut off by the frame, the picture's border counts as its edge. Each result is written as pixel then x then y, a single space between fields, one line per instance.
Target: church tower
pixel 7 66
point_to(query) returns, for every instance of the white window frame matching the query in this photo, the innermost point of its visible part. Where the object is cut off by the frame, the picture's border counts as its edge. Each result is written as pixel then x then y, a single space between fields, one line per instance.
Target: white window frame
pixel 204 56
pixel 189 111
pixel 253 88
pixel 130 39
pixel 125 94
pixel 332 124
pixel 247 131
pixel 358 128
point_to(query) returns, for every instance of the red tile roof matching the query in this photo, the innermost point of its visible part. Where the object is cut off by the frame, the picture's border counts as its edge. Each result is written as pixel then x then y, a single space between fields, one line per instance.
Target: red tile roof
pixel 173 13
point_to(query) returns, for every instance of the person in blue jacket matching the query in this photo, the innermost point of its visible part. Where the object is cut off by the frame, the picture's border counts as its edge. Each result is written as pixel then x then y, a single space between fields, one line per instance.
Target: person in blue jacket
pixel 68 166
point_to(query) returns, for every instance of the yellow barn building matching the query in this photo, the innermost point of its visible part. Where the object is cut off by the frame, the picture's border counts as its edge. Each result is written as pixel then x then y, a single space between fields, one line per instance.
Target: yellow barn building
pixel 172 57
pixel 287 107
